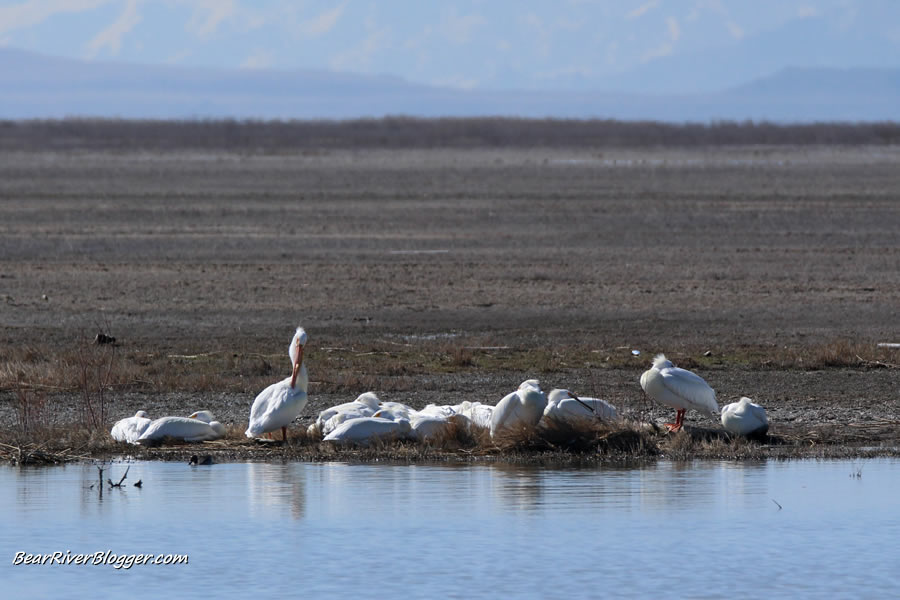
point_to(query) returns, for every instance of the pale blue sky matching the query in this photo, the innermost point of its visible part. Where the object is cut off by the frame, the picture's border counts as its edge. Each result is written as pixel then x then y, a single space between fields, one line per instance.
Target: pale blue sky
pixel 470 44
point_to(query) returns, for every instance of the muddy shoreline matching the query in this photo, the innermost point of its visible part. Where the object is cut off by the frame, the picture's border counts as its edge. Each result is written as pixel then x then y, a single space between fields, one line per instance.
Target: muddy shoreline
pixel 453 274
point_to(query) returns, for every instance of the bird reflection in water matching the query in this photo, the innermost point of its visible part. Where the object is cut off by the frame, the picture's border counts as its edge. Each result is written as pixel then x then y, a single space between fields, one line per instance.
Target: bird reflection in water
pixel 271 487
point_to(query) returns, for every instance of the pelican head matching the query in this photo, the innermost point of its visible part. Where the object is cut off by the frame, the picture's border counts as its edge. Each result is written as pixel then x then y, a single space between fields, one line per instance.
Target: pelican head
pixel 202 415
pixel 530 383
pixel 297 344
pixel 557 395
pixel 661 362
pixel 296 353
pixel 142 414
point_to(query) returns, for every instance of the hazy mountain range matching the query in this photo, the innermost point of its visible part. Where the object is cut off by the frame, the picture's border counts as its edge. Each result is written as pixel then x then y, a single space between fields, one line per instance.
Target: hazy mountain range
pixel 39 86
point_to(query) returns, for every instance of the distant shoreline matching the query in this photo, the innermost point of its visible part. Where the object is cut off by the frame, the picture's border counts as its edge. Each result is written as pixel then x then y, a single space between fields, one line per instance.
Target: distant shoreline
pixel 275 136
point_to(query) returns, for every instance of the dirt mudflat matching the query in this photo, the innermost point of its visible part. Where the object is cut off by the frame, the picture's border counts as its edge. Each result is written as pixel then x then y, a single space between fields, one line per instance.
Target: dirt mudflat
pixel 717 257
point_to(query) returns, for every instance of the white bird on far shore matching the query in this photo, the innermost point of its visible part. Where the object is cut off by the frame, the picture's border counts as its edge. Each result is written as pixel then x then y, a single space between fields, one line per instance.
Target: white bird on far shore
pixel 279 404
pixel 130 429
pixel 746 418
pixel 365 430
pixel 524 407
pixel 679 389
pixel 199 427
pixel 563 405
pixel 365 405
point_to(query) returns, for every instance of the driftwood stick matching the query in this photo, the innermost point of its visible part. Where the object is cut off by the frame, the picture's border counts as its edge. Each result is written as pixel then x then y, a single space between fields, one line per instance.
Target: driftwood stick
pixel 111 484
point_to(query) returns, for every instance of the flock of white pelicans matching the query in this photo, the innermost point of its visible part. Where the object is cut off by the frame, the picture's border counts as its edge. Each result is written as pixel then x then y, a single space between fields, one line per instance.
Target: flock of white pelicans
pixel 367 418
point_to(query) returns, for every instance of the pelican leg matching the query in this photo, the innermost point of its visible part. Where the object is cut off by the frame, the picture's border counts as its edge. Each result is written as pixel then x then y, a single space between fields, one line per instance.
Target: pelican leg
pixel 284 434
pixel 679 421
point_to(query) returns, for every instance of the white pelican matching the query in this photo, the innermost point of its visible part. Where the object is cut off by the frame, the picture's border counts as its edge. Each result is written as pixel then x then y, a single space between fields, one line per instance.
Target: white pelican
pixel 365 405
pixel 394 411
pixel 438 410
pixel 678 388
pixel 478 414
pixel 199 427
pixel 525 406
pixel 563 405
pixel 432 428
pixel 130 428
pixel 744 417
pixel 280 403
pixel 366 429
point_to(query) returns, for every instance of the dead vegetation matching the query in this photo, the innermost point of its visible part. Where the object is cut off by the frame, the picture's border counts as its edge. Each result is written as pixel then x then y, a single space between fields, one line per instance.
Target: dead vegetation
pixel 581 442
pixel 35 372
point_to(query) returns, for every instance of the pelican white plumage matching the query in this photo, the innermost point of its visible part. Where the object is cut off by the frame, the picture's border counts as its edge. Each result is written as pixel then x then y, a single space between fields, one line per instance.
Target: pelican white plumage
pixel 745 417
pixel 130 429
pixel 198 427
pixel 679 389
pixel 365 430
pixel 525 407
pixel 438 410
pixel 394 411
pixel 563 405
pixel 478 414
pixel 279 404
pixel 430 427
pixel 365 405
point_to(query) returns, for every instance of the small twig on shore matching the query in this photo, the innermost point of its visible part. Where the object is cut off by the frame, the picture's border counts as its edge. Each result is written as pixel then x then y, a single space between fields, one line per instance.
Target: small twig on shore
pixel 877 363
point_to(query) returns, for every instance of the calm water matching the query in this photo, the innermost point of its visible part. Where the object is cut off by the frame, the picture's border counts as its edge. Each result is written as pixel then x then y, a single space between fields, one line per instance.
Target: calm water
pixel 704 530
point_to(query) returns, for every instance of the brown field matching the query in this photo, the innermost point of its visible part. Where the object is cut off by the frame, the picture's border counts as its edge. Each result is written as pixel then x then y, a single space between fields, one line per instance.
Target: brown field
pixel 450 274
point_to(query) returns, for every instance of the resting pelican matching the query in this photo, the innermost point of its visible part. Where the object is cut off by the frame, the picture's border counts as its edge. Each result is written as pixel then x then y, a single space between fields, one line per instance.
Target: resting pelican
pixel 366 429
pixel 280 403
pixel 744 417
pixel 563 405
pixel 477 414
pixel 130 428
pixel 525 406
pixel 678 388
pixel 394 411
pixel 365 405
pixel 199 427
pixel 433 428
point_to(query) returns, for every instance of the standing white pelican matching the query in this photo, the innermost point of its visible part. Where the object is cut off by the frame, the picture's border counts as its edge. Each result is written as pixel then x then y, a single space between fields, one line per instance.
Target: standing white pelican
pixel 678 388
pixel 563 405
pixel 130 428
pixel 525 406
pixel 199 427
pixel 744 417
pixel 280 403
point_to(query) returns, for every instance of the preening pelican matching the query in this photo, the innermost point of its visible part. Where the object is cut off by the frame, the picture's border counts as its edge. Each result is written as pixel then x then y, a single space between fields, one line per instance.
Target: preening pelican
pixel 365 405
pixel 744 417
pixel 130 428
pixel 280 403
pixel 199 427
pixel 563 405
pixel 678 388
pixel 525 406
pixel 367 429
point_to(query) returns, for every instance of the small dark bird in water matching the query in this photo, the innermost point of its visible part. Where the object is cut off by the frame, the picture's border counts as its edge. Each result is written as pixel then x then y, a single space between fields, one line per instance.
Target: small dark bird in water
pixel 196 460
pixel 139 483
